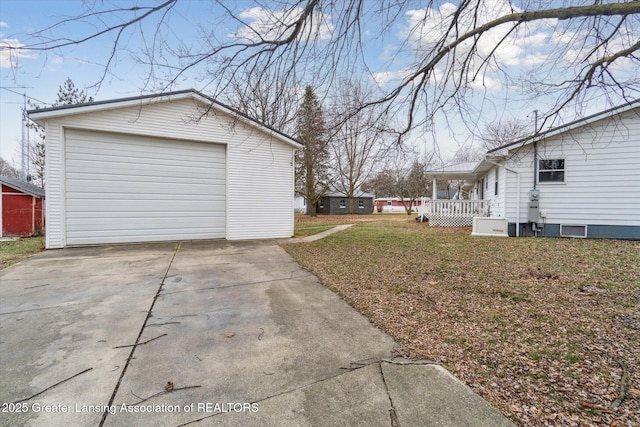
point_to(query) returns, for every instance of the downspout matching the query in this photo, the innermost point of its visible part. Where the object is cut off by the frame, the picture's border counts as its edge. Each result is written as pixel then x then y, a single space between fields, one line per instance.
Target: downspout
pixel 535 163
pixel 535 150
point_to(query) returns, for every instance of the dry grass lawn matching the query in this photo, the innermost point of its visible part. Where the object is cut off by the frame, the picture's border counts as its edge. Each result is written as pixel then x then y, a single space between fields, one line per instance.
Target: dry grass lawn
pixel 546 330
pixel 16 250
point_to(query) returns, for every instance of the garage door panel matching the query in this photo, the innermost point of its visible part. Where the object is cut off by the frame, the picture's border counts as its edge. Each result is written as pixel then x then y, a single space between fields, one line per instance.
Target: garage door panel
pixel 93 189
pixel 108 238
pixel 103 143
pixel 126 188
pixel 143 226
pixel 81 181
pixel 121 210
pixel 90 162
pixel 141 166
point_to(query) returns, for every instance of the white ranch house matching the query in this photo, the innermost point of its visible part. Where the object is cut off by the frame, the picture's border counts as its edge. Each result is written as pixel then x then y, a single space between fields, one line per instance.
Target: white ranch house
pixel 581 179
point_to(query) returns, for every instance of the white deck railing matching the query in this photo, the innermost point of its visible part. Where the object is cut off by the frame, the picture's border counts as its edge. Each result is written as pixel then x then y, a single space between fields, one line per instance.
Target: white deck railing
pixel 453 213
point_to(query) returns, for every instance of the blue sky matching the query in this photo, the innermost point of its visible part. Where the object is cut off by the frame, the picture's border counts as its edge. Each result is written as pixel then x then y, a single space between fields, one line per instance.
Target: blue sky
pixel 39 74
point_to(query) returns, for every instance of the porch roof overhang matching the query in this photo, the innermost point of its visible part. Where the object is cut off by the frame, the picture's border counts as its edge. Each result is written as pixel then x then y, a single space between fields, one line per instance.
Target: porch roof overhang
pixel 466 171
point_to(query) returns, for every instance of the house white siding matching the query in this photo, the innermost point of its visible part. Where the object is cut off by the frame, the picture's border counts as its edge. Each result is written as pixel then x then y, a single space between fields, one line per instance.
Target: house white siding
pixel 602 176
pixel 259 170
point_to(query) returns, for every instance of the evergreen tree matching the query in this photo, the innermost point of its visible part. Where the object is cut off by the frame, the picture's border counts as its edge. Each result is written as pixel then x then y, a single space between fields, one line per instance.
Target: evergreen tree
pixel 68 94
pixel 312 163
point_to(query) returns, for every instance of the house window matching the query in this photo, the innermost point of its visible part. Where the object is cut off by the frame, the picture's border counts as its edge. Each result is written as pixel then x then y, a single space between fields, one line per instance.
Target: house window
pixel 568 230
pixel 389 203
pixel 321 204
pixel 343 203
pixel 361 204
pixel 495 183
pixel 551 170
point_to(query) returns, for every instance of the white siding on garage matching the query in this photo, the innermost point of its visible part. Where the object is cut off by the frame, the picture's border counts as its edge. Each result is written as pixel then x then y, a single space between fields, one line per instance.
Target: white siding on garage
pixel 260 191
pixel 259 166
pixel 126 188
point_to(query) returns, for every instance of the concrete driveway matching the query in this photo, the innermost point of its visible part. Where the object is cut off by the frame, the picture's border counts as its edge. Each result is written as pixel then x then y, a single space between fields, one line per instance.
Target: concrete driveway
pixel 218 333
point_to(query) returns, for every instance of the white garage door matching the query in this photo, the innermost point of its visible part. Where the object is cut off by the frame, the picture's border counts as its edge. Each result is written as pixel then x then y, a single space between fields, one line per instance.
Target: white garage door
pixel 125 188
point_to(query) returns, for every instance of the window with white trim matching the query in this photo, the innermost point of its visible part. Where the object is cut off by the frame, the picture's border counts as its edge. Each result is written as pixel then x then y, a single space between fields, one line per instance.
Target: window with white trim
pixel 389 203
pixel 551 170
pixel 361 204
pixel 343 203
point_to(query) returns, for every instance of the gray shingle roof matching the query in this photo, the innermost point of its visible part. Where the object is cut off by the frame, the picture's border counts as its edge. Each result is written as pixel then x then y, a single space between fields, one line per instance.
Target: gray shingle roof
pixel 25 187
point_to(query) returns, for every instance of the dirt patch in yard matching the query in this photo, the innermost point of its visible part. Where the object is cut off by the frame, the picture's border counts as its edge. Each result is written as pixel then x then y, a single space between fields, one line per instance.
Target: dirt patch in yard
pixel 546 330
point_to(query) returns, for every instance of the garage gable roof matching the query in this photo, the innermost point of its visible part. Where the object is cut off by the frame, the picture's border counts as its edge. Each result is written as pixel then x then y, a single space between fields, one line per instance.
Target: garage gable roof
pixel 22 186
pixel 64 110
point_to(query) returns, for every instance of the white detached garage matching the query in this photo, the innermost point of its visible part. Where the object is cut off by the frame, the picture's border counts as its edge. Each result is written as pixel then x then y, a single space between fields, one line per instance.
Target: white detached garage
pixel 176 166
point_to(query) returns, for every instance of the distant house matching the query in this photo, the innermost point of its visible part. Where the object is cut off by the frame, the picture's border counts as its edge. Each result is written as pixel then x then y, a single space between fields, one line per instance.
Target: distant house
pixel 338 204
pixel 394 204
pixel 21 207
pixel 581 179
pixel 300 204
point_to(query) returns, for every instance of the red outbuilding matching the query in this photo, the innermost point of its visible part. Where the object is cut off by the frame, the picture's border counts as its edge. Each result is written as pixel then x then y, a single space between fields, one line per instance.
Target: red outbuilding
pixel 22 208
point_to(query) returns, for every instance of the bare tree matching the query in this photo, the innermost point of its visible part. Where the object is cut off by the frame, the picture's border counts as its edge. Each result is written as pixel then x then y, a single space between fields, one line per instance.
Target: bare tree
pixel 414 184
pixel 583 50
pixel 357 138
pixel 403 177
pixel 37 158
pixel 500 133
pixel 264 97
pixel 7 170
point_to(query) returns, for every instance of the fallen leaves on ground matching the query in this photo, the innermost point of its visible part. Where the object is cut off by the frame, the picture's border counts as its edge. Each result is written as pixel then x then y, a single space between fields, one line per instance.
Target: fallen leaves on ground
pixel 535 326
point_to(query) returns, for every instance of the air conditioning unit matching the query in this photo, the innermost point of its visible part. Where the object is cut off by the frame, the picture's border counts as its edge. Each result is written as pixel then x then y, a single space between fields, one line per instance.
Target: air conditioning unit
pixel 483 226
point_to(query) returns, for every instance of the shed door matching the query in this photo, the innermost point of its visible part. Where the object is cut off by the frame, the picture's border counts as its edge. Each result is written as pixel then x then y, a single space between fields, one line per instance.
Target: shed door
pixel 126 188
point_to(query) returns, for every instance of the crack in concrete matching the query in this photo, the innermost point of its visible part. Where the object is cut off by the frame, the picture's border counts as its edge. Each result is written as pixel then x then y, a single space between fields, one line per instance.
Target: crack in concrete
pixel 105 414
pixel 282 393
pixel 353 366
pixel 393 416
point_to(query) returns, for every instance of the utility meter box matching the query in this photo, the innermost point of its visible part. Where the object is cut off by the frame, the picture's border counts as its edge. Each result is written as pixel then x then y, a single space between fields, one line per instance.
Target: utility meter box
pixel 534 211
pixel 534 195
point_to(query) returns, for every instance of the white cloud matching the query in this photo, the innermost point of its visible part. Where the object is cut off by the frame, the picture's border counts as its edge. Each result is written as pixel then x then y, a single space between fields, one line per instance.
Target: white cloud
pixel 10 51
pixel 486 82
pixel 264 24
pixel 426 27
pixel 3 24
pixel 384 77
pixel 536 58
